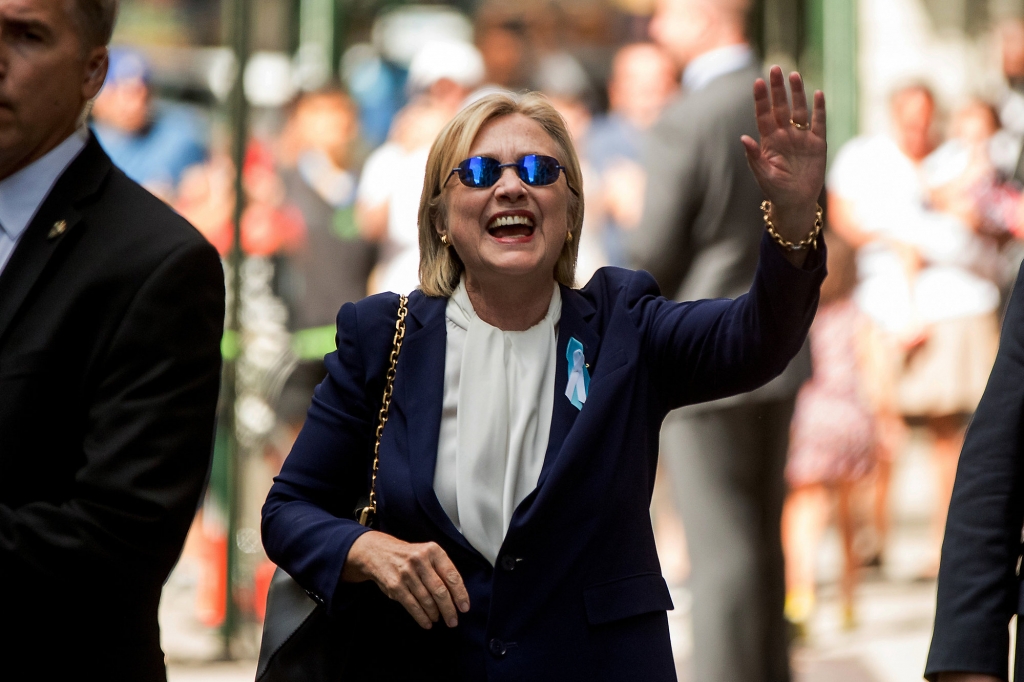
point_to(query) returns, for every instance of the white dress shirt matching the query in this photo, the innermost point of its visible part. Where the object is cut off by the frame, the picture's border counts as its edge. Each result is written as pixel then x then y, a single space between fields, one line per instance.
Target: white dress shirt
pixel 22 193
pixel 495 419
pixel 718 62
pixel 394 176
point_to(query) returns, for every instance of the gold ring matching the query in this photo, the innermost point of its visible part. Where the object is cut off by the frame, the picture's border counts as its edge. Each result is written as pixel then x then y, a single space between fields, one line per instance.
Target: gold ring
pixel 800 126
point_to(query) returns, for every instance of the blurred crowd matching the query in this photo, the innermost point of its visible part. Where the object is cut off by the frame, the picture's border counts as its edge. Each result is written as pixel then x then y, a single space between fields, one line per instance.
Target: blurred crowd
pixel 924 248
pixel 924 224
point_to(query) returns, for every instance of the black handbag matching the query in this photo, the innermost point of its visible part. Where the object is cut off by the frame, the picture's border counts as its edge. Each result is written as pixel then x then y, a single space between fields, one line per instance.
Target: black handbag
pixel 301 642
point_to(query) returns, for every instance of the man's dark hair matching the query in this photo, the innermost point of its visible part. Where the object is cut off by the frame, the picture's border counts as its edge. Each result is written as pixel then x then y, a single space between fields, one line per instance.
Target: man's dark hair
pixel 95 19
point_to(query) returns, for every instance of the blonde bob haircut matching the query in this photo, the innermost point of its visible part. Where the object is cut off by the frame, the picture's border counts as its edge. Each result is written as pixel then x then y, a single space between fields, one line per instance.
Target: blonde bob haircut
pixel 440 267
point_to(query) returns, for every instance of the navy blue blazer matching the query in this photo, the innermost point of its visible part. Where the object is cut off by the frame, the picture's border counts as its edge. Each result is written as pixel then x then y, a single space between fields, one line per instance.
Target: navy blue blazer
pixel 577 592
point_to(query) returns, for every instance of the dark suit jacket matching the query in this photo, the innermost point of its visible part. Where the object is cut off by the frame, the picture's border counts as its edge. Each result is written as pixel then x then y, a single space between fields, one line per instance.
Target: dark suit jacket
pixel 702 219
pixel 979 590
pixel 577 593
pixel 109 372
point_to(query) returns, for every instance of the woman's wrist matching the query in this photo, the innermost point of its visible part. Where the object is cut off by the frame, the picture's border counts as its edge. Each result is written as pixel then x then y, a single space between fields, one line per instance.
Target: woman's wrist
pixel 794 245
pixel 794 223
pixel 357 568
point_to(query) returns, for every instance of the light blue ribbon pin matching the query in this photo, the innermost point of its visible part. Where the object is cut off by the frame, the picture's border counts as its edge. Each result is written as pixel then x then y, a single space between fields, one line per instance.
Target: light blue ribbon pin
pixel 579 377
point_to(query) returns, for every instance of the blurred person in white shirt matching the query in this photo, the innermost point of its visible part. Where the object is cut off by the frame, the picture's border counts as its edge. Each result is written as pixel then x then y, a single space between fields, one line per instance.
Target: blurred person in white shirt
pixel 441 76
pixel 934 316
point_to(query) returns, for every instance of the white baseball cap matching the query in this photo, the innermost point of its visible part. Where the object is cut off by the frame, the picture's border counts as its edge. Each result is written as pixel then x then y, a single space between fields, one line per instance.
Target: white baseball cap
pixel 457 61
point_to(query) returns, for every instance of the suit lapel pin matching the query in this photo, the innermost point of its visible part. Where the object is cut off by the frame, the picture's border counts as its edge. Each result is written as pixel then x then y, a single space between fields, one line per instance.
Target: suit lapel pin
pixel 59 228
pixel 579 376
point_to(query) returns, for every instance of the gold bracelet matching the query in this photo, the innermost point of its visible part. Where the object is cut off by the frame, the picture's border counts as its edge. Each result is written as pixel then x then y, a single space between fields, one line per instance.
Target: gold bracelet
pixel 810 240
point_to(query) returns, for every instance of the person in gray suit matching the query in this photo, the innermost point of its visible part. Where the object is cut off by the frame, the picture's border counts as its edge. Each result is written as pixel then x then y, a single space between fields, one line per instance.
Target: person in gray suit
pixel 699 237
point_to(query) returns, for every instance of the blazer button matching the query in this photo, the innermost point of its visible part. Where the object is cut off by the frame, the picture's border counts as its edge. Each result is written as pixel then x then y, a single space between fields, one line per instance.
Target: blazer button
pixel 508 562
pixel 497 648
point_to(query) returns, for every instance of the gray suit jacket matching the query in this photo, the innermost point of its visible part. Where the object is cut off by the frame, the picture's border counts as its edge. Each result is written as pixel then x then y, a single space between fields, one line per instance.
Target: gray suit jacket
pixel 702 221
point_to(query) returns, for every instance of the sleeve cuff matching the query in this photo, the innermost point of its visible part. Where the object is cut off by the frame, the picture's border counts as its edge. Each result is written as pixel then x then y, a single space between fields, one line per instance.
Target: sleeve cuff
pixel 344 593
pixel 976 648
pixel 791 288
pixel 814 263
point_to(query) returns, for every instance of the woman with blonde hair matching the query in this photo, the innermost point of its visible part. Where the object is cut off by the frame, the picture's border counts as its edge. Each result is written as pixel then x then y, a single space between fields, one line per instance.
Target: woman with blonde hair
pixel 514 475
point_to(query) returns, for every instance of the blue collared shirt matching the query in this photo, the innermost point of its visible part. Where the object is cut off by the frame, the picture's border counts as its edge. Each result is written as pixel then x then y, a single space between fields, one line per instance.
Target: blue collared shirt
pixel 718 62
pixel 22 193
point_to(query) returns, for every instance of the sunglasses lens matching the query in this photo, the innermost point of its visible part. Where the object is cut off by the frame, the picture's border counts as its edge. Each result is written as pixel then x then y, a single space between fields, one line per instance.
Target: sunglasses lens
pixel 538 170
pixel 533 169
pixel 478 171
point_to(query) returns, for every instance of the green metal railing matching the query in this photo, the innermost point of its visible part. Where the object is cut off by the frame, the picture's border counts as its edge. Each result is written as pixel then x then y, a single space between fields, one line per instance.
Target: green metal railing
pixel 224 479
pixel 839 69
pixel 820 38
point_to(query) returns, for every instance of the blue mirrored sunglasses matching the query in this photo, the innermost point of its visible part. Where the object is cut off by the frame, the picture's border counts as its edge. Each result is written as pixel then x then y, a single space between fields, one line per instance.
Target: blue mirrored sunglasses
pixel 535 170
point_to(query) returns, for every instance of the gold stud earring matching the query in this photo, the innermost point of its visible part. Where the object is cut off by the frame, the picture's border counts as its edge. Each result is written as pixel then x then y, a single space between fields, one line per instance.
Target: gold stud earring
pixel 444 239
pixel 568 237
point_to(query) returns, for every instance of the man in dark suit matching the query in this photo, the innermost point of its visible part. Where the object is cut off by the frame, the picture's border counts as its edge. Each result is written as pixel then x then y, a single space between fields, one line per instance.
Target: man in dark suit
pixel 979 575
pixel 111 312
pixel 699 238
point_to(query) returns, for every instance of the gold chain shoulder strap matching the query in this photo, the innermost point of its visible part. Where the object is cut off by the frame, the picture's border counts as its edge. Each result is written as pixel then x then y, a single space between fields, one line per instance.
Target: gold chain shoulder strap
pixel 369 512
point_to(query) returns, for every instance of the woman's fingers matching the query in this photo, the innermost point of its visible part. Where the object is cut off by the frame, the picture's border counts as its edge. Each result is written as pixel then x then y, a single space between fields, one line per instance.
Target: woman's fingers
pixel 763 109
pixel 421 578
pixel 443 601
pixel 754 160
pixel 452 580
pixel 412 605
pixel 751 146
pixel 424 598
pixel 818 121
pixel 796 87
pixel 780 103
pixel 771 105
pixel 436 588
pixel 443 581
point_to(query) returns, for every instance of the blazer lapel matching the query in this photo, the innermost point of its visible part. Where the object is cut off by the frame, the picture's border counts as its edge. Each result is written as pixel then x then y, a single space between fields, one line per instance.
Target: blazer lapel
pixel 422 362
pixel 576 314
pixel 56 219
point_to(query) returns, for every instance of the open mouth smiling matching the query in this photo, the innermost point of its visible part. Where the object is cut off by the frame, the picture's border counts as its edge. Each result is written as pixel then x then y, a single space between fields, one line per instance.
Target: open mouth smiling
pixel 511 227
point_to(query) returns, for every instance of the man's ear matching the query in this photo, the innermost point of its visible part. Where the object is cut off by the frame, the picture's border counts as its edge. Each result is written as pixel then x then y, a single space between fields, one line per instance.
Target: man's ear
pixel 95 71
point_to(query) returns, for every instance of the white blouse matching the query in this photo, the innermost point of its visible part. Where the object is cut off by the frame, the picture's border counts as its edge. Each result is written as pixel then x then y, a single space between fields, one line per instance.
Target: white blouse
pixel 495 419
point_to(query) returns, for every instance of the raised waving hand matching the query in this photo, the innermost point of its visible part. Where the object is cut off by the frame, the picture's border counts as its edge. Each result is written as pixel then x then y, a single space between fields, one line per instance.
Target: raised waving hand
pixel 789 160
